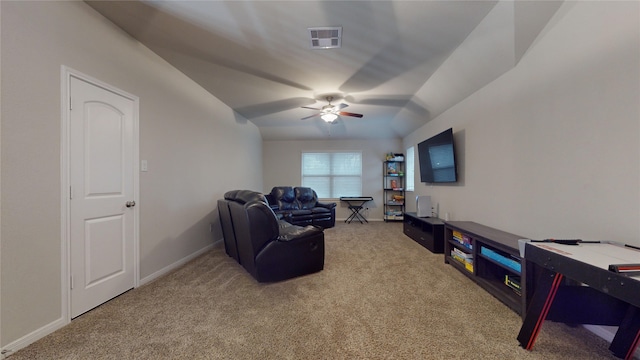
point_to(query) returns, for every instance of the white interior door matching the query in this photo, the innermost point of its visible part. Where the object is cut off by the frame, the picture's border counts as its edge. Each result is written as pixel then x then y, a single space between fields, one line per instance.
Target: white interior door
pixel 101 140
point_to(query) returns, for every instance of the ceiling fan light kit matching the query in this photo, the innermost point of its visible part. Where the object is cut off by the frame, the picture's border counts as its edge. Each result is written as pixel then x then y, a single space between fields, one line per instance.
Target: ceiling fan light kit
pixel 329 113
pixel 329 117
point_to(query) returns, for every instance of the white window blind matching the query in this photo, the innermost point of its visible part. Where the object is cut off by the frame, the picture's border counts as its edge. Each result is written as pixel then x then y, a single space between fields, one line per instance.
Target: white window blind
pixel 410 174
pixel 333 174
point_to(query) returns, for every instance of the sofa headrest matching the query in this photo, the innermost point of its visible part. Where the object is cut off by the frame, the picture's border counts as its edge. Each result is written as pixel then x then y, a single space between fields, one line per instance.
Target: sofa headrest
pixel 283 193
pixel 230 195
pixel 305 194
pixel 244 196
pixel 306 197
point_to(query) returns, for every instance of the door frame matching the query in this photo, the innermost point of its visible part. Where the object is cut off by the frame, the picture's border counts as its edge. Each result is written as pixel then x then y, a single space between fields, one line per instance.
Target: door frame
pixel 65 264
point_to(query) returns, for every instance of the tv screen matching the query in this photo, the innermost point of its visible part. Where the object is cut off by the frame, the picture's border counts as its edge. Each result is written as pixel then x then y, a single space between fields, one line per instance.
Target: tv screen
pixel 437 159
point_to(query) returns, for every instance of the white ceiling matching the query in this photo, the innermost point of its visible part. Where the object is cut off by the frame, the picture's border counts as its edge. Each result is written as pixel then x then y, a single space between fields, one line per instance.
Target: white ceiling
pixel 401 64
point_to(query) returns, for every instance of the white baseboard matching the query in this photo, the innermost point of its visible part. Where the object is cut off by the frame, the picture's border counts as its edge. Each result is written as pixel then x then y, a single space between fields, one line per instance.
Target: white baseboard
pixel 60 323
pixel 607 333
pixel 175 265
pixel 32 337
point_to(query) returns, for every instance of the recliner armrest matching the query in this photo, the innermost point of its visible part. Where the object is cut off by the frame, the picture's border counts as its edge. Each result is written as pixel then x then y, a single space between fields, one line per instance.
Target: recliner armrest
pixel 326 205
pixel 294 232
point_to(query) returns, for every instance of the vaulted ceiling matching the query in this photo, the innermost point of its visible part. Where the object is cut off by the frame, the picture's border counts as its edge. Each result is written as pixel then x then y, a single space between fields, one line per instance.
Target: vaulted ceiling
pixel 401 63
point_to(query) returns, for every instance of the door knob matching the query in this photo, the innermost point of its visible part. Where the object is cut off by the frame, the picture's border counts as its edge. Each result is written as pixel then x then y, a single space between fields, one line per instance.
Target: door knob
pixel 130 204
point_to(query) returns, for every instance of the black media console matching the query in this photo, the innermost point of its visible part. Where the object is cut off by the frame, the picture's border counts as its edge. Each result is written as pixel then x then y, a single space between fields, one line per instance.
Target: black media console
pixel 491 258
pixel 428 232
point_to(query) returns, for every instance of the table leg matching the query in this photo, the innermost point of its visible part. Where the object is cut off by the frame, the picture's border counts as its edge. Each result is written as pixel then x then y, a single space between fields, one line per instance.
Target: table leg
pixel 546 289
pixel 627 337
pixel 360 216
pixel 355 214
pixel 350 217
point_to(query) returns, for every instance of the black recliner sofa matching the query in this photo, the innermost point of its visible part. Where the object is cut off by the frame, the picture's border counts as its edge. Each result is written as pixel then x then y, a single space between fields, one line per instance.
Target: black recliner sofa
pixel 268 248
pixel 300 206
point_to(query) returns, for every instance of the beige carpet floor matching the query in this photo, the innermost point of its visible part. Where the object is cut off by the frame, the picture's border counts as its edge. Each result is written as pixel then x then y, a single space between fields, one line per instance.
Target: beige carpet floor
pixel 380 296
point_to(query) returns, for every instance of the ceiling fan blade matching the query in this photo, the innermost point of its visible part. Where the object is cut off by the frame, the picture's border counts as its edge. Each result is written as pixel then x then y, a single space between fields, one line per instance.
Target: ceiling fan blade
pixel 309 117
pixel 272 107
pixel 341 106
pixel 344 113
pixel 309 107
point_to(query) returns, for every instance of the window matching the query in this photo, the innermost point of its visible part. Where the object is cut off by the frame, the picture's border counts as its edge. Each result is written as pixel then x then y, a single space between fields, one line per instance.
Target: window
pixel 333 174
pixel 410 173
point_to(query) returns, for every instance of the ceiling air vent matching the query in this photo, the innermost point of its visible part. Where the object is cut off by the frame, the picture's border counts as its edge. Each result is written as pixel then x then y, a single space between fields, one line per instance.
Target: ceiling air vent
pixel 326 37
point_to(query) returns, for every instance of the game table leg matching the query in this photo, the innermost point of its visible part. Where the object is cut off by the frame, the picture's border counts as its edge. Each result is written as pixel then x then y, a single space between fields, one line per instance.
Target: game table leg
pixel 545 292
pixel 627 337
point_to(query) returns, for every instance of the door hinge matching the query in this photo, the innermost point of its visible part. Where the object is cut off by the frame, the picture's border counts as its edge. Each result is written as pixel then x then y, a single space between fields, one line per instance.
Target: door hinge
pixel 71 282
pixel 70 193
pixel 70 103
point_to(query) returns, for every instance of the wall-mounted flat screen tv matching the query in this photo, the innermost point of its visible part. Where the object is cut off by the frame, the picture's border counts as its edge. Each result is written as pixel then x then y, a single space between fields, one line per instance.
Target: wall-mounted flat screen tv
pixel 437 158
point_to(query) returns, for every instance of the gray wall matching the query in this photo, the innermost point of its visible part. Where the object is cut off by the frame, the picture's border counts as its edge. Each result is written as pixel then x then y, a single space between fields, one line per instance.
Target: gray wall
pixel 552 147
pixel 189 138
pixel 282 166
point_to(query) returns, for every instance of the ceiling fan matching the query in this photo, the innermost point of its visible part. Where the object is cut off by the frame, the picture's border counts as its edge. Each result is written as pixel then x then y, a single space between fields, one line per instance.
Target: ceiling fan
pixel 329 113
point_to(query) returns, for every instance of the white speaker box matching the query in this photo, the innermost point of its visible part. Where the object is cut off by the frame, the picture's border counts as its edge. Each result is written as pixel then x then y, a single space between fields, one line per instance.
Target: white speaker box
pixel 423 206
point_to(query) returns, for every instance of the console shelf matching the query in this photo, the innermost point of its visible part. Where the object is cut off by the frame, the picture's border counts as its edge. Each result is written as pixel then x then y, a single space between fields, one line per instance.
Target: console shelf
pixel 489 257
pixel 428 232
